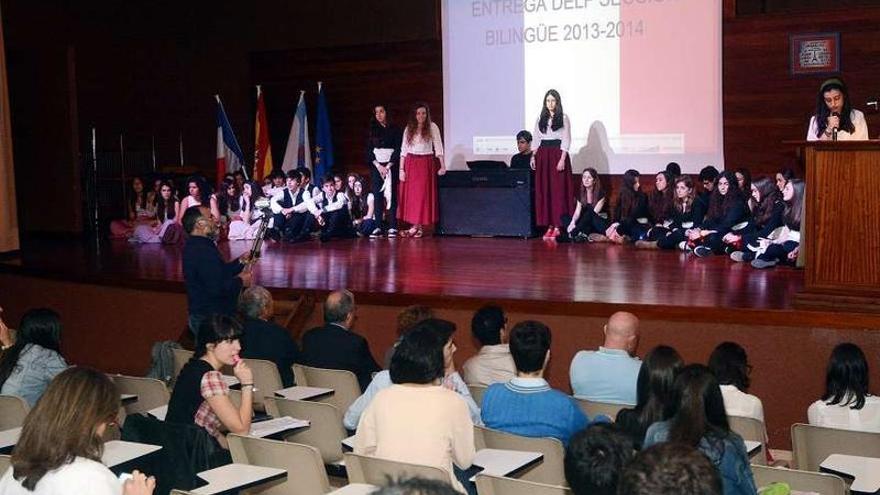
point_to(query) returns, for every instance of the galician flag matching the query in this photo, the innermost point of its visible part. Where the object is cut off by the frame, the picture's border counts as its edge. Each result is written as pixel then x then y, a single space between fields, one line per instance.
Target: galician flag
pixel 262 146
pixel 298 154
pixel 229 155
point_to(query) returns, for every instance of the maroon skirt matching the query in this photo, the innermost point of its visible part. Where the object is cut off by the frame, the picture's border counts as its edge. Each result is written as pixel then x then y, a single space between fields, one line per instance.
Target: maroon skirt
pixel 554 191
pixel 417 200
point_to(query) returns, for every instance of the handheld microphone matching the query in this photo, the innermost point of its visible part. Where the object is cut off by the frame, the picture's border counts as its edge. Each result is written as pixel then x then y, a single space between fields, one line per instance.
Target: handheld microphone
pixel 834 129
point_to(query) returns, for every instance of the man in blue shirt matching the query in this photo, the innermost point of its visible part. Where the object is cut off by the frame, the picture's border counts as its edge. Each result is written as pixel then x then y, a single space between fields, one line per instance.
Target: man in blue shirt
pixel 526 405
pixel 610 373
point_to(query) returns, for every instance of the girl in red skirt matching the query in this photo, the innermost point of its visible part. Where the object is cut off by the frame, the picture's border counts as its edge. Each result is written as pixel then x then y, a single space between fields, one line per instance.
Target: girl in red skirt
pixel 554 192
pixel 421 161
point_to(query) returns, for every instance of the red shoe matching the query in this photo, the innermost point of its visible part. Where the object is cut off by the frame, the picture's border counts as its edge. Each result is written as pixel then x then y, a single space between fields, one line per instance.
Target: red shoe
pixel 549 234
pixel 556 232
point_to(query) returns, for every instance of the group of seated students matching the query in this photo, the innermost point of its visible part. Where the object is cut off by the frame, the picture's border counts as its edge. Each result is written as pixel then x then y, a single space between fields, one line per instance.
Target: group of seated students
pixel 420 409
pixel 335 208
pixel 756 221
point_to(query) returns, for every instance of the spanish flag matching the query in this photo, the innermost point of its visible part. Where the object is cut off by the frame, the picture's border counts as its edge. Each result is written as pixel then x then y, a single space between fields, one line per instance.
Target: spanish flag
pixel 262 148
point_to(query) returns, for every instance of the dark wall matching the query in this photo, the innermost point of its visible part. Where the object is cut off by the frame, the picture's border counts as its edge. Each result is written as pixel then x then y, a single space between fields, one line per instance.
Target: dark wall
pixel 145 72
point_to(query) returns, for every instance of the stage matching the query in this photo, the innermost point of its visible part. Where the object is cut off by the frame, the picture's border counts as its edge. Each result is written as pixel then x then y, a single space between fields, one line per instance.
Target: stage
pixel 528 270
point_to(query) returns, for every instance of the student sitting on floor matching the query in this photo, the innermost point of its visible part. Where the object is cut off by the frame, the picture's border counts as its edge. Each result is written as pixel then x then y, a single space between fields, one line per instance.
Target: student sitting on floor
pixel 526 405
pixel 590 202
pixel 687 212
pixel 363 210
pixel 727 207
pixel 632 204
pixel 661 209
pixel 333 215
pixel 768 211
pixel 784 248
pixel 847 403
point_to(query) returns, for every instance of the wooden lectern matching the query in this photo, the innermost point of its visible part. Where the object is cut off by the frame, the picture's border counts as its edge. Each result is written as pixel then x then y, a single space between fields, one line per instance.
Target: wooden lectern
pixel 842 227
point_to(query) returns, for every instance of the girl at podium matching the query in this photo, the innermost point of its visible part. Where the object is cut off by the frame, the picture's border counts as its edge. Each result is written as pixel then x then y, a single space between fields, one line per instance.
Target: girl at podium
pixel 554 192
pixel 421 155
pixel 835 118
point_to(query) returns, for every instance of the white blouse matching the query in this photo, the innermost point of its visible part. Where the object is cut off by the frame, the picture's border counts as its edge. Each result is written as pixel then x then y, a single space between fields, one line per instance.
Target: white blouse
pixel 563 133
pixel 842 417
pixel 80 476
pixel 858 120
pixel 420 146
pixel 739 403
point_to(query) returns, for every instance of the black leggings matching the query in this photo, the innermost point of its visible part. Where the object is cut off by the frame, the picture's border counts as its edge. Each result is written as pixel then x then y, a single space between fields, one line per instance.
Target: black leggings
pixel 386 218
pixel 588 223
pixel 779 252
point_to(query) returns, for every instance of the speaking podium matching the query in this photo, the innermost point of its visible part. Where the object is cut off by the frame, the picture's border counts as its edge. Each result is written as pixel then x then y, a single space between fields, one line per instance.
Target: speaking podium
pixel 842 226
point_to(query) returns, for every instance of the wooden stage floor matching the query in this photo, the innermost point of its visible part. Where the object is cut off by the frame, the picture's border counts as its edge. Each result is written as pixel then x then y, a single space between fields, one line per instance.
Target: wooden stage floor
pixel 456 267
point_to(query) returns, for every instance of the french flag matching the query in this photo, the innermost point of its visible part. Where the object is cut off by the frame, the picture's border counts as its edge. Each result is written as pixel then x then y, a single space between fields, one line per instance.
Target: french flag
pixel 229 155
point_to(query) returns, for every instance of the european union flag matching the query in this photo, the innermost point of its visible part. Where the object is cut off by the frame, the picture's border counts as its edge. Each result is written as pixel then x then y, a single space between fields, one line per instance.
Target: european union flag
pixel 323 139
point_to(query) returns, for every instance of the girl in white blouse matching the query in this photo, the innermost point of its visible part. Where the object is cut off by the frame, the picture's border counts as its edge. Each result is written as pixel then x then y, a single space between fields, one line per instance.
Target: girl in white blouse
pixel 554 191
pixel 835 118
pixel 846 403
pixel 421 155
pixel 59 450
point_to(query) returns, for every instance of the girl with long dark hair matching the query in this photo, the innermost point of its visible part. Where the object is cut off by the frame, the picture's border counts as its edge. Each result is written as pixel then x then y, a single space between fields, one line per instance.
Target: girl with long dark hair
pixel 654 393
pixel 229 201
pixel 699 420
pixel 784 248
pixel 139 211
pixel 247 224
pixel 554 194
pixel 421 155
pixel 363 210
pixel 835 118
pixel 632 205
pixel 730 364
pixel 60 447
pixel 589 202
pixel 201 396
pixel 847 402
pixel 167 207
pixel 661 208
pixel 687 211
pixel 33 361
pixel 727 207
pixel 782 178
pixel 767 216
pixel 198 194
pixel 383 158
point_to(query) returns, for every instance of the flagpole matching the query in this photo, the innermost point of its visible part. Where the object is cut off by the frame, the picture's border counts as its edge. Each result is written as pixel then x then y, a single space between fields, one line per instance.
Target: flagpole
pixel 153 147
pixel 180 142
pixel 256 143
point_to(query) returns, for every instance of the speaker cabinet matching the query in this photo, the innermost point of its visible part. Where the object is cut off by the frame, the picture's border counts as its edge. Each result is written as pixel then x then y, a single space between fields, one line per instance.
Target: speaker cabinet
pixel 490 203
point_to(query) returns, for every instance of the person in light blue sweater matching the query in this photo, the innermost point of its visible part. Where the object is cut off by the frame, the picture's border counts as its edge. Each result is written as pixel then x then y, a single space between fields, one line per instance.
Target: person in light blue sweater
pixel 526 405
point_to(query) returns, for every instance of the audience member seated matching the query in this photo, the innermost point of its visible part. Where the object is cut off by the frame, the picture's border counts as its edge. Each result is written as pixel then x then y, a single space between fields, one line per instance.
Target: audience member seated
pixel 670 469
pixel 32 362
pixel 699 421
pixel 406 320
pixel 595 460
pixel 201 396
pixel 418 420
pixel 610 373
pixel 7 339
pixel 731 367
pixel 655 393
pixel 493 363
pixel 442 331
pixel 526 405
pixel 416 486
pixel 262 338
pixel 847 402
pixel 59 450
pixel 335 346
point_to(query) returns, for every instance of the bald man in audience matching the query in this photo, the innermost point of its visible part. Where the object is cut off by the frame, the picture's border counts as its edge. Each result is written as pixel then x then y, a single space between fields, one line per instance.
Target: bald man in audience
pixel 609 374
pixel 335 345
